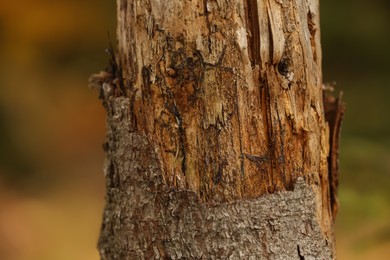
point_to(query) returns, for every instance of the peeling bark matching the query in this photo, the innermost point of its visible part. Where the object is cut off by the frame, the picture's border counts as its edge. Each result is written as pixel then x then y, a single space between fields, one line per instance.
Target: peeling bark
pixel 217 141
pixel 146 219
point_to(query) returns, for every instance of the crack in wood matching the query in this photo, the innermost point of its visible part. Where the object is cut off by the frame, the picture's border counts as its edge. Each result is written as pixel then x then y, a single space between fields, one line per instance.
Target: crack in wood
pixel 257 159
pixel 182 139
pixel 253 36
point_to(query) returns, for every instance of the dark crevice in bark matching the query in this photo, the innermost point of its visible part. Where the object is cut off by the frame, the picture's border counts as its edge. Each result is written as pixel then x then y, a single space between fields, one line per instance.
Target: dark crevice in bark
pixel 174 110
pixel 146 84
pixel 283 66
pixel 264 100
pixel 132 114
pixel 281 158
pixel 252 21
pixel 242 161
pixel 301 257
pixel 270 133
pixel 271 40
pixel 257 159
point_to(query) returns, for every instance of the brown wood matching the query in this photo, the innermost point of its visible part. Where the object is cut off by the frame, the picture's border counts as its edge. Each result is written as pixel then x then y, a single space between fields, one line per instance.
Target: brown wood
pixel 334 113
pixel 214 102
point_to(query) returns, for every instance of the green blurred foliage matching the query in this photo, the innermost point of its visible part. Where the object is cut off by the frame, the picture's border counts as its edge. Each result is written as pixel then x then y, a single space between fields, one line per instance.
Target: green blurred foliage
pixel 355 40
pixel 52 126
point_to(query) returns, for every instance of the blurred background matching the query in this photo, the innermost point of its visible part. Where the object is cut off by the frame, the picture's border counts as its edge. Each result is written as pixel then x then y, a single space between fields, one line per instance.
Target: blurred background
pixel 52 126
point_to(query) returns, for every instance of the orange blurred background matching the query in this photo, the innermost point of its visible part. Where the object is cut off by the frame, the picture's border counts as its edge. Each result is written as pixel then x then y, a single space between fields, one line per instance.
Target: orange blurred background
pixel 52 126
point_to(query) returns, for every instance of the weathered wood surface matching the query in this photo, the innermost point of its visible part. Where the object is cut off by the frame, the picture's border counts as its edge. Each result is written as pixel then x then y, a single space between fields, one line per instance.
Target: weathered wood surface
pixel 146 219
pixel 212 105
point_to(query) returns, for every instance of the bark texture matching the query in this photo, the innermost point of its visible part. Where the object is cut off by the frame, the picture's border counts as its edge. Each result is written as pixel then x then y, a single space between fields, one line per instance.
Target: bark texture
pixel 146 219
pixel 212 105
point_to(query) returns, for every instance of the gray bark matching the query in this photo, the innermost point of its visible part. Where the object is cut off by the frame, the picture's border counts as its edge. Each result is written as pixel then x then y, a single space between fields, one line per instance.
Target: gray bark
pixel 145 219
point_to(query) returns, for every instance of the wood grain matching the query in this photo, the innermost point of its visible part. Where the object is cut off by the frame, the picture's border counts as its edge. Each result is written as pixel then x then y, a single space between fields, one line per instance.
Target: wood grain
pixel 228 95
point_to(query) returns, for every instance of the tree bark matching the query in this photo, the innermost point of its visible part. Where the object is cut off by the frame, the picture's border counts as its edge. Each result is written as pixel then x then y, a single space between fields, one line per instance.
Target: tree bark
pixel 217 144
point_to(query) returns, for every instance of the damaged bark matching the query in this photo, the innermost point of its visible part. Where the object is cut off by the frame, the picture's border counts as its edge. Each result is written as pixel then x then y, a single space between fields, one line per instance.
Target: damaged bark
pixel 217 145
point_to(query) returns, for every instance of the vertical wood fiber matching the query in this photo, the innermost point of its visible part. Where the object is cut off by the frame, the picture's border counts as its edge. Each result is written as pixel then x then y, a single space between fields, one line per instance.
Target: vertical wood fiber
pixel 222 105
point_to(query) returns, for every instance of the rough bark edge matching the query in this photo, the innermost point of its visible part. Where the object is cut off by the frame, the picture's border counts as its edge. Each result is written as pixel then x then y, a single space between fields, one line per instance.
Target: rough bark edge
pixel 145 219
pixel 334 113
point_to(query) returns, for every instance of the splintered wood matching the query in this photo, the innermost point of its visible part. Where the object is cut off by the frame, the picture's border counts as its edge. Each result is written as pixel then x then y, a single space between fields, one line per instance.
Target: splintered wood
pixel 228 93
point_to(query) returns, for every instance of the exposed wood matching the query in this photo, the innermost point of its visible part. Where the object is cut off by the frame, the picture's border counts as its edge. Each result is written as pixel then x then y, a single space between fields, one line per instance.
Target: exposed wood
pixel 146 219
pixel 217 104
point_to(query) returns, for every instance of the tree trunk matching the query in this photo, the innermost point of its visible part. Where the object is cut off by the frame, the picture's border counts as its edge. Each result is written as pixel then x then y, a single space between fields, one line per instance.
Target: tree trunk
pixel 217 143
